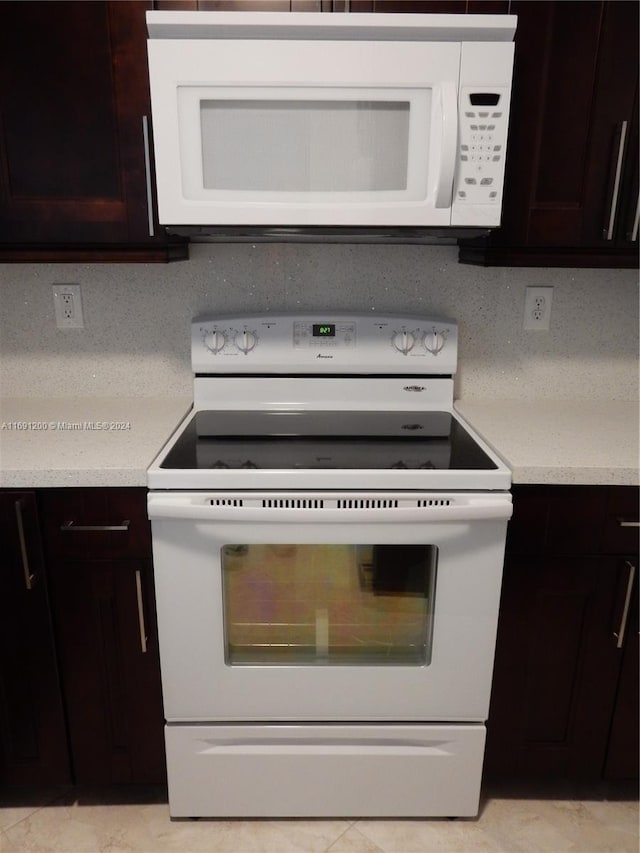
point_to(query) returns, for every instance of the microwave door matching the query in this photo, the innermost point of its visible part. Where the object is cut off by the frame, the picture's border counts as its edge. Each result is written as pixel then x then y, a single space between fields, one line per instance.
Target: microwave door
pixel 372 143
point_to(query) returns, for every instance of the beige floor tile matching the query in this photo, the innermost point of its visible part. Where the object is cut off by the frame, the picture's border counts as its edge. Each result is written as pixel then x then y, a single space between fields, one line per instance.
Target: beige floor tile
pixel 118 822
pixel 418 836
pixel 16 805
pixel 561 825
pixel 121 828
pixel 353 841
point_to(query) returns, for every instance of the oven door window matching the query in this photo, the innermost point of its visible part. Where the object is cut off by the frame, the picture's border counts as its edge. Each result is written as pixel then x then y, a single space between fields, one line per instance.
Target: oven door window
pixel 328 604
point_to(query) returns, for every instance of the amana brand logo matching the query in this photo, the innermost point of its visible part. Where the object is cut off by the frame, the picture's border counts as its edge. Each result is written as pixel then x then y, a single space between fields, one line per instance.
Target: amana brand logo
pixel 320 355
pixel 413 388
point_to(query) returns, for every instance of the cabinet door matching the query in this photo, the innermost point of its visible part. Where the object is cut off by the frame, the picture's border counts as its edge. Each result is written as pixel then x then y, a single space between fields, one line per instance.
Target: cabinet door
pixel 109 660
pixel 99 549
pixel 554 678
pixel 610 194
pixel 33 742
pixel 73 101
pixel 564 700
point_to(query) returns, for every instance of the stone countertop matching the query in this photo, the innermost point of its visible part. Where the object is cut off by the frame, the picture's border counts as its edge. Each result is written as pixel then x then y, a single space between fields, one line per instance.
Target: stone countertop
pixel 575 442
pixel 83 441
pixel 110 441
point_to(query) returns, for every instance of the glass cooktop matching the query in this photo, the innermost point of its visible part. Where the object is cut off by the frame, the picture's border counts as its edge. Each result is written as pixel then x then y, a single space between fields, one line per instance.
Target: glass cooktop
pixel 293 440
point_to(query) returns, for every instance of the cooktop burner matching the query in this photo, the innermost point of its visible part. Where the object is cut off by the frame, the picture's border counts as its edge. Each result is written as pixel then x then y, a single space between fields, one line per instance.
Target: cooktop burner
pixel 292 440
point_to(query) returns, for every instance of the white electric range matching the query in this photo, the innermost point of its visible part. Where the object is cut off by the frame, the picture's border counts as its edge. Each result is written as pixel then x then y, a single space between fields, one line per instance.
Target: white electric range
pixel 328 541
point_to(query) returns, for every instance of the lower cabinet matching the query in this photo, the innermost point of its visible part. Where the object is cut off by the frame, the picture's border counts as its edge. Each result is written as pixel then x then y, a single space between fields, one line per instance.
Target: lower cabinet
pixel 98 547
pixel 80 672
pixel 80 694
pixel 33 739
pixel 565 694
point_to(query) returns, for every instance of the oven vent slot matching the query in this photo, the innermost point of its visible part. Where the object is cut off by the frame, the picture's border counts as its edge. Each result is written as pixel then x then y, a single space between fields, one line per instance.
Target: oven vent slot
pixel 434 502
pixel 293 503
pixel 367 503
pixel 226 502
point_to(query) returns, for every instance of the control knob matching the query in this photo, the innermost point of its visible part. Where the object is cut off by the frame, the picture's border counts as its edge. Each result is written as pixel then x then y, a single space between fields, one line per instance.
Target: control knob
pixel 403 341
pixel 434 342
pixel 215 341
pixel 246 341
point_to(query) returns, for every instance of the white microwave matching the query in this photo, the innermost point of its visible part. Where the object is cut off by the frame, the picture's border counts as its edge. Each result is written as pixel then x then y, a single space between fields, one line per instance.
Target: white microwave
pixel 319 119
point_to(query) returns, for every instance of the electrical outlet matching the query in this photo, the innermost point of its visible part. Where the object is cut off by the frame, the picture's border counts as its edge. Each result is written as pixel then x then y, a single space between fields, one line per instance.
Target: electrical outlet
pixel 67 302
pixel 537 308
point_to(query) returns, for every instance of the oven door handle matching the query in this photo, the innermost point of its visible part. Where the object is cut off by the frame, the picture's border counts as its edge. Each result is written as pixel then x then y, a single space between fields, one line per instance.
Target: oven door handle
pixel 196 508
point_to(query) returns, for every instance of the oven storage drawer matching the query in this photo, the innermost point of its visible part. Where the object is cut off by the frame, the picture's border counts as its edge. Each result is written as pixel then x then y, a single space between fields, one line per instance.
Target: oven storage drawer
pixel 324 770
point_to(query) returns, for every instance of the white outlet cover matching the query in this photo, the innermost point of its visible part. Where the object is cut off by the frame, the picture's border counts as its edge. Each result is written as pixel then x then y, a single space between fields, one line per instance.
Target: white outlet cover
pixel 537 308
pixel 76 320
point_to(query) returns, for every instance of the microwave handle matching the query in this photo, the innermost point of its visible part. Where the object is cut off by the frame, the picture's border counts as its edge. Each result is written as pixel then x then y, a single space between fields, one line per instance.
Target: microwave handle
pixel 177 507
pixel 448 143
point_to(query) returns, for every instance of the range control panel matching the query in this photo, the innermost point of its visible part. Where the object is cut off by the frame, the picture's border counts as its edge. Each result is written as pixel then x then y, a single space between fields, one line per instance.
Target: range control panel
pixel 324 344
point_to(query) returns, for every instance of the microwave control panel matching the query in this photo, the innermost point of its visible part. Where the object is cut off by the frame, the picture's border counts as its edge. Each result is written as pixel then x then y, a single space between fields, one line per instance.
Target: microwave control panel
pixel 327 343
pixel 483 142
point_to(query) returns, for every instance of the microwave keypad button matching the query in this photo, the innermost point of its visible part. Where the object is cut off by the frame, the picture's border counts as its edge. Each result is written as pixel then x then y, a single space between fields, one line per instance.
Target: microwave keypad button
pixel 470 181
pixel 464 158
pixel 462 194
pixel 470 115
pixel 497 147
pixel 473 126
pixel 483 115
pixel 485 182
pixel 493 194
pixel 496 115
pixel 464 147
pixel 496 158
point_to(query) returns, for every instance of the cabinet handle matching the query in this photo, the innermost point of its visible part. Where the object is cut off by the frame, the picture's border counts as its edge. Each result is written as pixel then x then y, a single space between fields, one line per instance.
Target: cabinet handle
pixel 141 625
pixel 28 577
pixel 619 635
pixel 624 523
pixel 147 172
pixel 71 527
pixel 633 234
pixel 608 231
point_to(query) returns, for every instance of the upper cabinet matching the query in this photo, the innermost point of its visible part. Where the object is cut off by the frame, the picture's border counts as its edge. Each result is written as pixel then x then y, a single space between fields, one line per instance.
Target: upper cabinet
pixel 571 187
pixel 75 175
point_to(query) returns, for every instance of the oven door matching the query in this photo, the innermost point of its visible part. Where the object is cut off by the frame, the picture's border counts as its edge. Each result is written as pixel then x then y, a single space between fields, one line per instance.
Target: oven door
pixel 319 606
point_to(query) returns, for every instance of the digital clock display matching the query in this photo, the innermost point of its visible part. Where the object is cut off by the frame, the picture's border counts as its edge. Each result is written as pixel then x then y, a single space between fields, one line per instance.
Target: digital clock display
pixel 324 330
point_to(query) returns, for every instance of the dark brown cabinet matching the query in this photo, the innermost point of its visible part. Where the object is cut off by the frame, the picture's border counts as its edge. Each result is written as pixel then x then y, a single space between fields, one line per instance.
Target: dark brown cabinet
pixel 80 695
pixel 33 739
pixel 99 559
pixel 565 694
pixel 571 184
pixel 76 181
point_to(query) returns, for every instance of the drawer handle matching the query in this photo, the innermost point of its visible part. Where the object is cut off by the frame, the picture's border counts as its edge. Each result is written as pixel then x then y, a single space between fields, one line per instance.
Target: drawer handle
pixel 71 527
pixel 141 626
pixel 624 523
pixel 619 635
pixel 28 577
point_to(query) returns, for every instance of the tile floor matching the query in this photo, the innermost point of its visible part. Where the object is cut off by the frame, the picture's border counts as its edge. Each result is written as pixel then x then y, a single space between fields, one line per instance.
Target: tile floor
pixel 113 821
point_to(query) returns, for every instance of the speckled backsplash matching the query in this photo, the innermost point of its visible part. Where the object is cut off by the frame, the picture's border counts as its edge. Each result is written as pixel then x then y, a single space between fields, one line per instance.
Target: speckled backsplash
pixel 136 336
